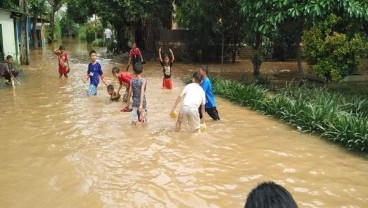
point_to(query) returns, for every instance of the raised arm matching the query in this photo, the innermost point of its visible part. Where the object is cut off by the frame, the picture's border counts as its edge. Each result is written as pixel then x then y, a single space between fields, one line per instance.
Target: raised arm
pixel 159 55
pixel 172 55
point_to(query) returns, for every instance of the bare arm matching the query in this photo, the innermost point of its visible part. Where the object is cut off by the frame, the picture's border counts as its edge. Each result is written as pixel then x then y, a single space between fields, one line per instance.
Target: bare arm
pixel 120 88
pixel 202 112
pixel 159 54
pixel 86 79
pixel 143 89
pixel 172 55
pixel 178 100
pixel 103 80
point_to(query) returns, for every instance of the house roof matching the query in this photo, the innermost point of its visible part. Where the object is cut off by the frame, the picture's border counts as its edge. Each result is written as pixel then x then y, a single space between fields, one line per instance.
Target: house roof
pixel 16 13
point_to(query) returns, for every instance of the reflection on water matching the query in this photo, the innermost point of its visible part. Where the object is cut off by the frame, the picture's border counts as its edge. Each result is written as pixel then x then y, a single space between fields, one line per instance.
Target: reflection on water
pixel 59 148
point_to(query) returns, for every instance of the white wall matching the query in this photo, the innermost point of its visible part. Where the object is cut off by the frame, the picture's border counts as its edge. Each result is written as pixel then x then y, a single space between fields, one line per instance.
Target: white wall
pixel 7 25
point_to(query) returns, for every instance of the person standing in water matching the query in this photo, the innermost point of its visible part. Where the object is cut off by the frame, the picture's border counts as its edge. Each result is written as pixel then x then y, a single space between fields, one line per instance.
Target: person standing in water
pixel 135 56
pixel 210 106
pixel 107 36
pixel 63 60
pixel 166 64
pixel 193 98
pixel 137 92
pixel 94 73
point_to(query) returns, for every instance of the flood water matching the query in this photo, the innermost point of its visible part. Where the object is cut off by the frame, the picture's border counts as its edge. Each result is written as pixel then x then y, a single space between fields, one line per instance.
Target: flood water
pixel 60 148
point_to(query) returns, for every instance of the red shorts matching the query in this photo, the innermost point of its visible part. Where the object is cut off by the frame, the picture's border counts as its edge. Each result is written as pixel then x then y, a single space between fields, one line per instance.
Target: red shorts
pixel 63 70
pixel 166 83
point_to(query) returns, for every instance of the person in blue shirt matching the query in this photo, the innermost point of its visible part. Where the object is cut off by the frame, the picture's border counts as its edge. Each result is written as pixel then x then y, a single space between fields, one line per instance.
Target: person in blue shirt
pixel 210 106
pixel 93 74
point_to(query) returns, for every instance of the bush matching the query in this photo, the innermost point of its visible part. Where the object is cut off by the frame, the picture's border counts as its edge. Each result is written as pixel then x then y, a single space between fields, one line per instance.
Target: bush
pixel 333 55
pixel 340 120
pixel 98 42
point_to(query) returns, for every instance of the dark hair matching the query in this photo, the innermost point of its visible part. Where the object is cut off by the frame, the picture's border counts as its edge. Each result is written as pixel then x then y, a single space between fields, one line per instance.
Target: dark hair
pixel 91 52
pixel 166 55
pixel 137 68
pixel 8 57
pixel 205 69
pixel 110 87
pixel 61 47
pixel 197 77
pixel 270 195
pixel 115 70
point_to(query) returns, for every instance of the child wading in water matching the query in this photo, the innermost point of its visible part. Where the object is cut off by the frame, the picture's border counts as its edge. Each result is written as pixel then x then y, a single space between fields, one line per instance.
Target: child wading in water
pixel 193 98
pixel 63 60
pixel 135 56
pixel 137 91
pixel 166 67
pixel 94 73
pixel 114 96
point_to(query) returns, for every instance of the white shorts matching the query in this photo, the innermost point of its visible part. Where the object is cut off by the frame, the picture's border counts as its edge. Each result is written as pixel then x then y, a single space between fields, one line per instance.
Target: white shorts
pixel 190 115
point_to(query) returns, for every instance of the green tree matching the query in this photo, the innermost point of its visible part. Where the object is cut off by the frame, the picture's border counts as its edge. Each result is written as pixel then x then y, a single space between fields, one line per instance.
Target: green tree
pixel 333 54
pixel 55 6
pixel 208 22
pixel 38 8
pixel 9 4
pixel 265 16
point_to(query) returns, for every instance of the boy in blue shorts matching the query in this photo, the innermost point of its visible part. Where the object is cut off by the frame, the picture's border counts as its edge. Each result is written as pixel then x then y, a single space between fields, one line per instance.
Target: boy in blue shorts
pixel 137 92
pixel 93 74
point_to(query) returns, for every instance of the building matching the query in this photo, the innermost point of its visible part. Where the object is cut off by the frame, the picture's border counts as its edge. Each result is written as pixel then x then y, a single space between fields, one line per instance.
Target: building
pixel 8 34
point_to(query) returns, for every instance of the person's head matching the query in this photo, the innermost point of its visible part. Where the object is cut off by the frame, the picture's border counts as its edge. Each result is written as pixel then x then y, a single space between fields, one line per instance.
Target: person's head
pixel 138 69
pixel 115 71
pixel 110 89
pixel 270 195
pixel 166 58
pixel 203 70
pixel 93 55
pixel 9 59
pixel 61 48
pixel 134 45
pixel 197 78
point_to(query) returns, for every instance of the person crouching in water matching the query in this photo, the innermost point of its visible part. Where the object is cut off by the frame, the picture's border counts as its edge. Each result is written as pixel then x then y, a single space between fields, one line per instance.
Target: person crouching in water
pixel 7 70
pixel 193 98
pixel 114 96
pixel 137 92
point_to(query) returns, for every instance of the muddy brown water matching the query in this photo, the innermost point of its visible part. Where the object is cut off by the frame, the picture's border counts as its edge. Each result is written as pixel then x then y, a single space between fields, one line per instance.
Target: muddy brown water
pixel 60 148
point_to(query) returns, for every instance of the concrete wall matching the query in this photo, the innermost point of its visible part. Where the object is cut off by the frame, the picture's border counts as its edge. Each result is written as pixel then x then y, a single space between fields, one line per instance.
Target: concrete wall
pixel 7 25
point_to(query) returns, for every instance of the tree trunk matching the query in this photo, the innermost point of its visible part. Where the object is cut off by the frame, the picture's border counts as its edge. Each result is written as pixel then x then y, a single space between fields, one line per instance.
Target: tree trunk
pixel 257 59
pixel 52 26
pixel 299 31
pixel 24 59
pixel 34 33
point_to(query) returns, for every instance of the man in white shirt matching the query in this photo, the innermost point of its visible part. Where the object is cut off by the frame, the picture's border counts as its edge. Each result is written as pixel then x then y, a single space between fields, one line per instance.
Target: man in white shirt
pixel 193 97
pixel 108 34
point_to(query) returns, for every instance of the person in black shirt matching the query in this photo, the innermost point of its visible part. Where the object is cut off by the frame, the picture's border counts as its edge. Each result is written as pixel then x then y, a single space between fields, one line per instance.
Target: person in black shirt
pixel 166 64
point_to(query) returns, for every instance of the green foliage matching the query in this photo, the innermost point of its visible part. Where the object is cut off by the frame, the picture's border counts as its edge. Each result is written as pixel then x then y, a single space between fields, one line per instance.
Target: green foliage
pixel 333 55
pixel 9 4
pixel 340 120
pixel 98 42
pixel 206 21
pixel 82 32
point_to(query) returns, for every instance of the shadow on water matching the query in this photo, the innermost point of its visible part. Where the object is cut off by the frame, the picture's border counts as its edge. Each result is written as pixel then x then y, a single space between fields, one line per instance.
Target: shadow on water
pixel 60 148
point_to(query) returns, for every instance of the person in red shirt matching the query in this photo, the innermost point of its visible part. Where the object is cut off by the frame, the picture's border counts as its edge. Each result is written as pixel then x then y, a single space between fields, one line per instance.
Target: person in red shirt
pixel 135 56
pixel 124 79
pixel 63 61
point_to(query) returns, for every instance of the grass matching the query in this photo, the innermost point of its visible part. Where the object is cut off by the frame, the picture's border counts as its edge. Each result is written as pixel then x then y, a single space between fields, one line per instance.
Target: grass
pixel 316 110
